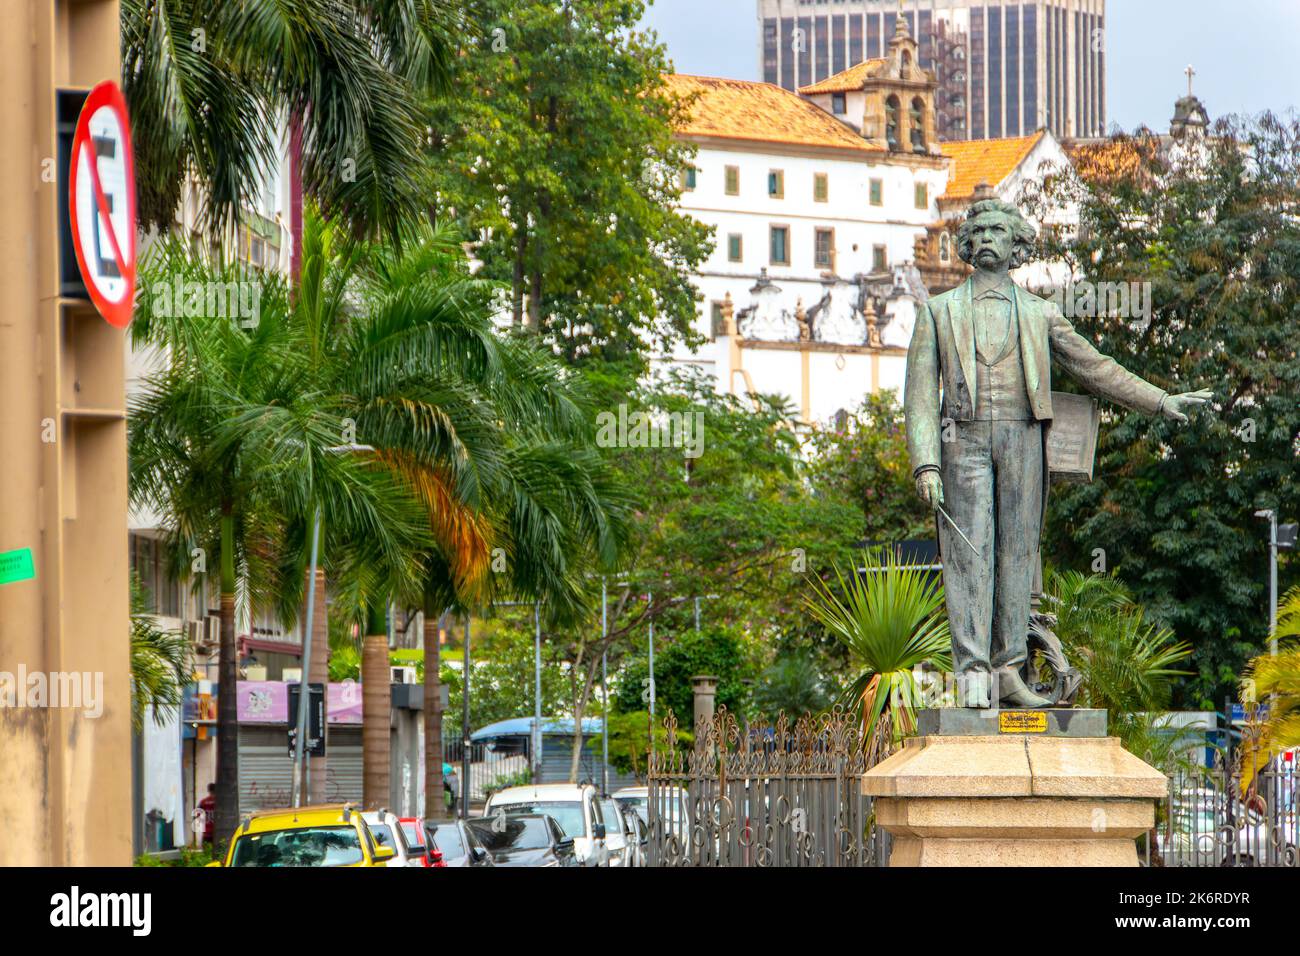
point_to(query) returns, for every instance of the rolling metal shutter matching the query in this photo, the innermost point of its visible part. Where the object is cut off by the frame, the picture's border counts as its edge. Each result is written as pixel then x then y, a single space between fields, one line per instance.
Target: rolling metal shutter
pixel 265 779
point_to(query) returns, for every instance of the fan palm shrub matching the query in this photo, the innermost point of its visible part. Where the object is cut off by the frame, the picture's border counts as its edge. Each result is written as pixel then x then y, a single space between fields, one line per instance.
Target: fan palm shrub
pixel 1128 664
pixel 891 619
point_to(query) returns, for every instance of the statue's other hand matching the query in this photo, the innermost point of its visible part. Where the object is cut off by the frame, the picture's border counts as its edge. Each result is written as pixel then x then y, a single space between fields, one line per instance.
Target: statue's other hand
pixel 930 487
pixel 1176 407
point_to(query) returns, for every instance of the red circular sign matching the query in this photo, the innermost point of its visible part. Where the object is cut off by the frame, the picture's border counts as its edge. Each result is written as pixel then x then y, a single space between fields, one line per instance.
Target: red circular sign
pixel 101 203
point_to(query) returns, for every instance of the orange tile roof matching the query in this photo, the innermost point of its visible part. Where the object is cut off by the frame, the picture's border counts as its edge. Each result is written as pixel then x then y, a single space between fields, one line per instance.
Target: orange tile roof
pixel 760 112
pixel 846 81
pixel 984 160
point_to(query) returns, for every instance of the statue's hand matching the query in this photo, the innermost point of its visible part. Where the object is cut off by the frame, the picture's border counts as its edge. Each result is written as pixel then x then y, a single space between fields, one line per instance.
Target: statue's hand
pixel 930 487
pixel 1176 407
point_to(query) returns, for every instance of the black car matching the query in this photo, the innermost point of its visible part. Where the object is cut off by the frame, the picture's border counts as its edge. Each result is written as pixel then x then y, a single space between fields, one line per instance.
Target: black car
pixel 524 839
pixel 452 843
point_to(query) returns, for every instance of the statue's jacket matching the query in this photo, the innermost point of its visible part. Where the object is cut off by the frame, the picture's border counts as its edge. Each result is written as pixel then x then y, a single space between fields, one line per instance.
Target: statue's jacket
pixel 941 369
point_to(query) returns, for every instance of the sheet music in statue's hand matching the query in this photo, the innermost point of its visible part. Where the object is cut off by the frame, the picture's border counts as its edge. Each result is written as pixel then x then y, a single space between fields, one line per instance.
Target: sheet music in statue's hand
pixel 1072 437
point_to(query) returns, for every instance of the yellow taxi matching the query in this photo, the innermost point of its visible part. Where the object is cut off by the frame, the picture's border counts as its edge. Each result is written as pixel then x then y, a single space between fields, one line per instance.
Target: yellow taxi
pixel 329 835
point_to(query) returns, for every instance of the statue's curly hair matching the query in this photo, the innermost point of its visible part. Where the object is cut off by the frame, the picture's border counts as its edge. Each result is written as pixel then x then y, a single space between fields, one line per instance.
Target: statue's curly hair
pixel 1022 233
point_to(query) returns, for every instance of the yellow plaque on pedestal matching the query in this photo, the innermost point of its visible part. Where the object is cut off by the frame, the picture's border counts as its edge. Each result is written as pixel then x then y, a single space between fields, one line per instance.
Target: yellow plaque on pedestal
pixel 1022 721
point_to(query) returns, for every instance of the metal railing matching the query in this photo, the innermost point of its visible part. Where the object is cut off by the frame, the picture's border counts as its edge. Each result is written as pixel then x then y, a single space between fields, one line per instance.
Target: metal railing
pixel 788 796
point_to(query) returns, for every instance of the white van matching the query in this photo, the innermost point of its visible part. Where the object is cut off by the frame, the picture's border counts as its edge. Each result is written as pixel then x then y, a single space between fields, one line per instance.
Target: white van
pixel 575 807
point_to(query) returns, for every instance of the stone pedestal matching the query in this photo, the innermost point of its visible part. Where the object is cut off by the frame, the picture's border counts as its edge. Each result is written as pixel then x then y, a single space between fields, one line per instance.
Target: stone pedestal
pixel 986 792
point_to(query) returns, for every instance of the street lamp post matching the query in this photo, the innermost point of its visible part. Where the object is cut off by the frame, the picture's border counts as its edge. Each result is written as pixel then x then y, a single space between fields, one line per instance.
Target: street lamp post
pixel 301 768
pixel 1271 515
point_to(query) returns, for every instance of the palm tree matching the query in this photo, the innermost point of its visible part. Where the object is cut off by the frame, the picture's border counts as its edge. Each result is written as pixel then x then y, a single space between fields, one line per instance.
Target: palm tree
pixel 484 430
pixel 232 441
pixel 1276 679
pixel 793 685
pixel 208 81
pixel 1127 664
pixel 891 619
pixel 159 663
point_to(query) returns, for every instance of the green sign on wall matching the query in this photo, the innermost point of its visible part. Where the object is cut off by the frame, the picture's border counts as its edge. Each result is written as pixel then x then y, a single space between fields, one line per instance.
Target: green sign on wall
pixel 16 566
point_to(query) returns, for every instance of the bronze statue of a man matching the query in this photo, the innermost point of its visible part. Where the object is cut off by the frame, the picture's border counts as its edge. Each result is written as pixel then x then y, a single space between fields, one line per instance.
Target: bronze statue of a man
pixel 979 446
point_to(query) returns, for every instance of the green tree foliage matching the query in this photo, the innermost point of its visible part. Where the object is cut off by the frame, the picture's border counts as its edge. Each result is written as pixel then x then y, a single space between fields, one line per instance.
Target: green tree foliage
pixel 207 81
pixel 793 684
pixel 722 652
pixel 1172 506
pixel 556 152
pixel 863 460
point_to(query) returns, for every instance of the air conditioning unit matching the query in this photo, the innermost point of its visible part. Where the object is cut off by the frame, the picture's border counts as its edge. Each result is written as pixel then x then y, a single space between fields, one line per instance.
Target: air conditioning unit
pixel 214 629
pixel 404 674
pixel 202 636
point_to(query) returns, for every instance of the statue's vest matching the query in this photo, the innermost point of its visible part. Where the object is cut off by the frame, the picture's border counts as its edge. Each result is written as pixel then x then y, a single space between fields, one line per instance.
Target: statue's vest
pixel 1001 393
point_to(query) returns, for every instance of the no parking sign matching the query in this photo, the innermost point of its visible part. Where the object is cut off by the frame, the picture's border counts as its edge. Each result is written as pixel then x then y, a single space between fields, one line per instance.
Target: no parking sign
pixel 101 203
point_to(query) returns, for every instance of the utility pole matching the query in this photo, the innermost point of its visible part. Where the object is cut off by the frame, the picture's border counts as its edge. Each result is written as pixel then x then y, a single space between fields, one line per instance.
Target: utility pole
pixel 604 688
pixel 464 726
pixel 537 692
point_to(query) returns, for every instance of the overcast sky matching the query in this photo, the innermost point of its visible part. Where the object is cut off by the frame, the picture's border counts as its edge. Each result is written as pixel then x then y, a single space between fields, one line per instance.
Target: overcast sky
pixel 1246 53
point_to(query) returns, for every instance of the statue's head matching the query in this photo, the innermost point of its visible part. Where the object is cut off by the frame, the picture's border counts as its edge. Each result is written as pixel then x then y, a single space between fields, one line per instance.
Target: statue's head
pixel 994 234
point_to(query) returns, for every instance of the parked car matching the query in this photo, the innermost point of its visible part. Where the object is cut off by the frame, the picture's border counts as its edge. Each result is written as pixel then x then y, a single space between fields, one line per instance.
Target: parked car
pixel 525 839
pixel 616 837
pixel 453 843
pixel 389 830
pixel 673 809
pixel 636 799
pixel 575 807
pixel 638 838
pixel 329 835
pixel 1201 833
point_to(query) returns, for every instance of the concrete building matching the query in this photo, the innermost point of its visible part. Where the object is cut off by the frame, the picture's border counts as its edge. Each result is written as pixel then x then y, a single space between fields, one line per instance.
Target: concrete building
pixel 1004 69
pixel 65 782
pixel 834 215
pixel 816 204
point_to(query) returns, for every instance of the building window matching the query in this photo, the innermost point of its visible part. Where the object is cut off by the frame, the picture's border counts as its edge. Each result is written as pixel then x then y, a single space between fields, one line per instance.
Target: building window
pixel 922 196
pixel 879 259
pixel 877 192
pixel 688 178
pixel 149 562
pixel 733 180
pixel 839 104
pixel 780 246
pixel 824 249
pixel 735 247
pixel 945 248
pixel 776 184
pixel 918 125
pixel 821 187
pixel 717 325
pixel 891 122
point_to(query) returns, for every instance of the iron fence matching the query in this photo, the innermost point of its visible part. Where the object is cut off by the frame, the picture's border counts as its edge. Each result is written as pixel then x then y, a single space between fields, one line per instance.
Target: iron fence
pixel 493 765
pixel 1210 819
pixel 784 796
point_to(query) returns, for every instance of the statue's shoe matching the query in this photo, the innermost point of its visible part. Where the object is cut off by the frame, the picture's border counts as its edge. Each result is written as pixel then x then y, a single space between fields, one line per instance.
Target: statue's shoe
pixel 1016 694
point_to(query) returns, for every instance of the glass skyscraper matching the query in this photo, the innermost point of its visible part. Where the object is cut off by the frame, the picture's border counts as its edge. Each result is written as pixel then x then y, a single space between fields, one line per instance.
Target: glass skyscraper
pixel 1003 68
